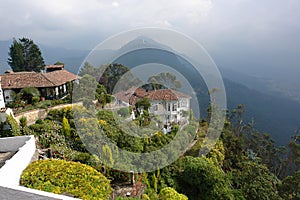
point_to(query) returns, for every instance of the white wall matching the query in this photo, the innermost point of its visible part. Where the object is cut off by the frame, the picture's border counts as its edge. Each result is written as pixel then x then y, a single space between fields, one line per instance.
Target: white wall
pixel 11 172
pixel 7 93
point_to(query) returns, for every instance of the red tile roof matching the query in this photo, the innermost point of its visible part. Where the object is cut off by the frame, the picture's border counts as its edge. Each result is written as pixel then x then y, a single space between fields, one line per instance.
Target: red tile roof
pixel 132 95
pixel 60 77
pixel 19 80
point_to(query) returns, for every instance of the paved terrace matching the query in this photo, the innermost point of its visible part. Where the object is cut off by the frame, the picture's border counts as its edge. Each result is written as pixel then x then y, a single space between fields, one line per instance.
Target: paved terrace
pixel 15 155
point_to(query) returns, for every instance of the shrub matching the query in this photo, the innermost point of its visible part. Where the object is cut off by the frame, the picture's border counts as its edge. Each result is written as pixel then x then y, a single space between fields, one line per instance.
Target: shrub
pixel 59 176
pixel 169 193
pixel 29 93
pixel 124 112
pixel 14 128
pixel 35 100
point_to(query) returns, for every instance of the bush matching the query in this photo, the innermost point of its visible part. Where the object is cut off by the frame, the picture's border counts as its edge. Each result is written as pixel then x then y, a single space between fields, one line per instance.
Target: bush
pixel 59 176
pixel 35 100
pixel 169 193
pixel 13 125
pixel 124 112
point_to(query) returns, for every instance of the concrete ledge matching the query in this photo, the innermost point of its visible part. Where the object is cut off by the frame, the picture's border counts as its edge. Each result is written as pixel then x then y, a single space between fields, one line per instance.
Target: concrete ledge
pixel 11 172
pixel 23 193
pixel 12 143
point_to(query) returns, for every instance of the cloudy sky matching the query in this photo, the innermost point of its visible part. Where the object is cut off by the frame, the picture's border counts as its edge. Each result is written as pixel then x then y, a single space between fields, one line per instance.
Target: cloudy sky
pixel 264 30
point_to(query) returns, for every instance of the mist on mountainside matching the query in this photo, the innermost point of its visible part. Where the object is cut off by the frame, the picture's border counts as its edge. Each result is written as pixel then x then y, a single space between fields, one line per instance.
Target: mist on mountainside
pixel 270 99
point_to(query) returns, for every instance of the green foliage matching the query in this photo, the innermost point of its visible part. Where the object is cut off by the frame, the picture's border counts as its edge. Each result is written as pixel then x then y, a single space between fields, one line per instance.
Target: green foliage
pixel 155 182
pixel 145 197
pixel 143 103
pixel 83 157
pixel 24 55
pixel 60 177
pixel 234 149
pixel 23 124
pixel 292 162
pixel 102 96
pixel 86 90
pixel 111 75
pixel 30 94
pixel 202 179
pixel 59 63
pixel 88 69
pixel 15 129
pixel 107 156
pixel 163 79
pixel 168 193
pixel 66 129
pixel 35 100
pixel 255 181
pixel 124 112
pixel 290 187
pixel 40 105
pixel 48 133
pixel 217 154
pixel 126 198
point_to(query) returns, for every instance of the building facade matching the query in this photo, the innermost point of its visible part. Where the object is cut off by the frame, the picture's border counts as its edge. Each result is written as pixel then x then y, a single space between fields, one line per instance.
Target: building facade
pixel 170 105
pixel 55 83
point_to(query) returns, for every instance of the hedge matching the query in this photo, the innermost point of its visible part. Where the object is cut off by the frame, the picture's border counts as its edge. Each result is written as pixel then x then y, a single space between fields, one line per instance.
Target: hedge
pixel 65 177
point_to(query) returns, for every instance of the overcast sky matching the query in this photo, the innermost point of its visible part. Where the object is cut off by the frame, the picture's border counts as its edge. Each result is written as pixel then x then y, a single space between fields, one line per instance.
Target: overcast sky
pixel 265 29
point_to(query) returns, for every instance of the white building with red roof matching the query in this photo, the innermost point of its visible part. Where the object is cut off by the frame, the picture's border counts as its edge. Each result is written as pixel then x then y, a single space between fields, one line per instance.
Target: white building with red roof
pixel 172 106
pixel 53 84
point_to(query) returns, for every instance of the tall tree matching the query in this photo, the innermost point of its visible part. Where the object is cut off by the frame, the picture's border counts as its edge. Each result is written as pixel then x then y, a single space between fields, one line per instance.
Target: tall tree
pixel 111 75
pixel 24 55
pixel 164 80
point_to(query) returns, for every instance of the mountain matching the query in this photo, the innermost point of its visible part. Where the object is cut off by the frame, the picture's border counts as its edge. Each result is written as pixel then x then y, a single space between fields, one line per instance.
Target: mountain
pixel 272 111
pixel 4 48
pixel 266 75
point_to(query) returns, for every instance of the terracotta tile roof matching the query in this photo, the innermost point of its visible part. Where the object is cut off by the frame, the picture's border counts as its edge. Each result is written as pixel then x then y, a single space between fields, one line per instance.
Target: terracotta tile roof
pixel 125 95
pixel 60 77
pixel 132 96
pixel 19 80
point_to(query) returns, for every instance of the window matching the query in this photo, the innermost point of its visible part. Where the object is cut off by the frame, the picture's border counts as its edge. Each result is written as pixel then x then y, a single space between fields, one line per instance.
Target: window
pixel 155 107
pixel 183 103
pixel 174 108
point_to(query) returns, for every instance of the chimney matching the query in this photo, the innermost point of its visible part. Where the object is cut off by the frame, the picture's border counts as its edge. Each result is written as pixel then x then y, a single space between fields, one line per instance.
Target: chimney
pixel 9 72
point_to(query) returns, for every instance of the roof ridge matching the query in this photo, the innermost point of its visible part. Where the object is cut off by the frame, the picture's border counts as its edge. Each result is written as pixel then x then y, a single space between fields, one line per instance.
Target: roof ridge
pixel 47 79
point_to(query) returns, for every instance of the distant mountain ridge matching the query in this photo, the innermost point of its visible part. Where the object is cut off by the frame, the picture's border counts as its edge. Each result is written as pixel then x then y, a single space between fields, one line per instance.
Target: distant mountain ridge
pixel 272 112
pixel 70 57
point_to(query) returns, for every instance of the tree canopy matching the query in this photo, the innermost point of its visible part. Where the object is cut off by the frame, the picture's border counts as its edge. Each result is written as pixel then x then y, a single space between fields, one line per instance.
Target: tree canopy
pixel 167 80
pixel 25 55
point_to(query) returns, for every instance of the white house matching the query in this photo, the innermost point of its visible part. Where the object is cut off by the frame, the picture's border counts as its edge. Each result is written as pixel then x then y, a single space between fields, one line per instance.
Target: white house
pixel 172 106
pixel 54 84
pixel 4 112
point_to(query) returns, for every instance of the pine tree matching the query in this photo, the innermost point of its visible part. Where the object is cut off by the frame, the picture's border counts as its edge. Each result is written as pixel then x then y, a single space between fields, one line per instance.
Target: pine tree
pixel 24 55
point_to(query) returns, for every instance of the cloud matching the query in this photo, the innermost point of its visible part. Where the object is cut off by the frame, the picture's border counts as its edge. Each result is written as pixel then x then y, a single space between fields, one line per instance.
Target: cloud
pixel 66 19
pixel 83 24
pixel 116 4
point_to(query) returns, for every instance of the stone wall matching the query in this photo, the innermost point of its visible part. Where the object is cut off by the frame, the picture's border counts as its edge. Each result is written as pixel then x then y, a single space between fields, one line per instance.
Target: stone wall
pixel 34 115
